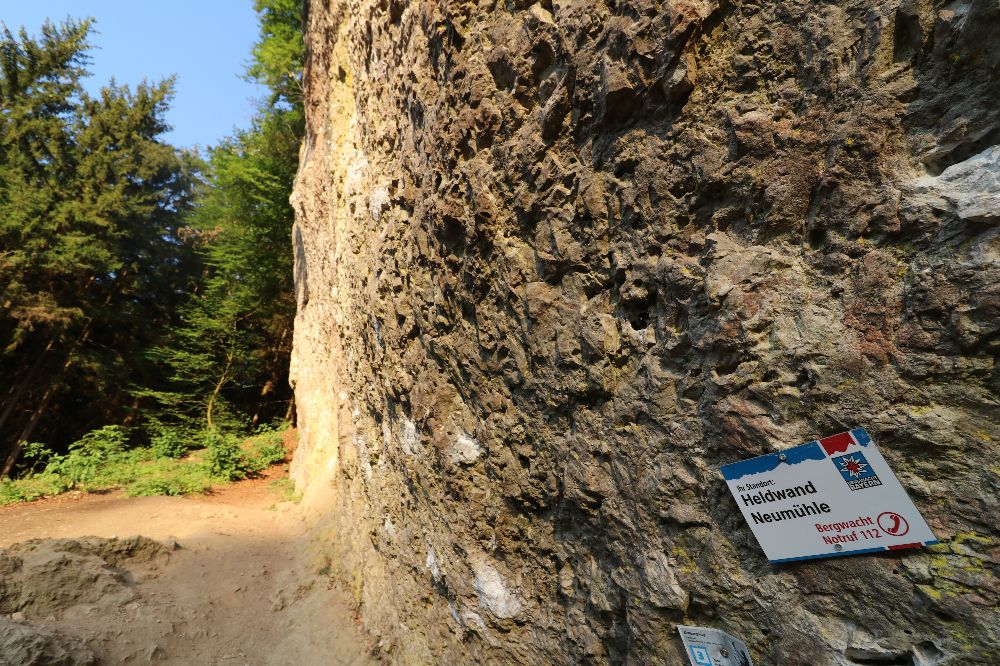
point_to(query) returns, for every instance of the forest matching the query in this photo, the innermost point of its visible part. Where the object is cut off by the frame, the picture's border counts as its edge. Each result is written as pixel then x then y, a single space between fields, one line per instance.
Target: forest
pixel 146 303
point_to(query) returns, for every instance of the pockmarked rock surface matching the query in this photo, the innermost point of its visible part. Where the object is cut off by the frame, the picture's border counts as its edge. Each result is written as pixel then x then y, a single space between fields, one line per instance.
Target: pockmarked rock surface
pixel 44 577
pixel 557 262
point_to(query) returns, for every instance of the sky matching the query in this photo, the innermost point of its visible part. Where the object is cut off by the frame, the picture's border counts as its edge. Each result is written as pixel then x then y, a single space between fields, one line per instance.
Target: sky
pixel 206 43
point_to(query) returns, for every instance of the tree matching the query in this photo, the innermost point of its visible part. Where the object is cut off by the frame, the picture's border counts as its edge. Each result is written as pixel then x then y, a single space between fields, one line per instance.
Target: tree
pixel 227 360
pixel 135 290
pixel 90 255
pixel 278 57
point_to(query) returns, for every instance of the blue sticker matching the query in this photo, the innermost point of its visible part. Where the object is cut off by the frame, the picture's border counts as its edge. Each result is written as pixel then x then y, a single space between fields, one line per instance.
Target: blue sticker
pixel 700 656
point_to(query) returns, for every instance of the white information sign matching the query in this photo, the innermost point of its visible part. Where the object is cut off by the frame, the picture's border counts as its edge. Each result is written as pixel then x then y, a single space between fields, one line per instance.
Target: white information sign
pixel 835 496
pixel 711 647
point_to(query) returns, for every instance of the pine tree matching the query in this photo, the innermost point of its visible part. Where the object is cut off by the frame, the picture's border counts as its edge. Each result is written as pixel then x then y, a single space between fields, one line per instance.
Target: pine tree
pixel 132 290
pixel 90 257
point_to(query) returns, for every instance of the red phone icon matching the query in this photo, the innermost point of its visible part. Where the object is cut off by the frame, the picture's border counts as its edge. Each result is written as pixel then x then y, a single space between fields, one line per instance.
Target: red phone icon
pixel 893 524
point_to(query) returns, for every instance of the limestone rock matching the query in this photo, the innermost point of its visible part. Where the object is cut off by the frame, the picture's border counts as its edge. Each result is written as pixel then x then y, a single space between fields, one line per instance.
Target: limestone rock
pixel 972 186
pixel 556 262
pixel 44 577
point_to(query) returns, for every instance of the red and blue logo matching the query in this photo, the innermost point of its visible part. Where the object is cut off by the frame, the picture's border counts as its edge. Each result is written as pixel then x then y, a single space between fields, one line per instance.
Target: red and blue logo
pixel 857 471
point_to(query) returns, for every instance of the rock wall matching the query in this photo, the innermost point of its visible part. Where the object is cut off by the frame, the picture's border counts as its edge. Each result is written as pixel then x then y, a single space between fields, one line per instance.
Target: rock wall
pixel 558 262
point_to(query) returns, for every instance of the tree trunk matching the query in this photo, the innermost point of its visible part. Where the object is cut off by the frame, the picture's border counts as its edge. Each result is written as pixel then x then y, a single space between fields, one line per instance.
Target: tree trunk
pixel 28 430
pixel 44 403
pixel 223 380
pixel 264 392
pixel 51 390
pixel 272 382
pixel 132 411
pixel 22 388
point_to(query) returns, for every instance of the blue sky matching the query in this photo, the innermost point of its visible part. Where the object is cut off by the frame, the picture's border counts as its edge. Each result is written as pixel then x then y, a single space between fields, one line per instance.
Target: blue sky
pixel 206 43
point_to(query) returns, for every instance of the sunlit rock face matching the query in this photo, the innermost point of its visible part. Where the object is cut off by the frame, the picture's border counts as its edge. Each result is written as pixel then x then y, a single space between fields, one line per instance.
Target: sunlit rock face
pixel 558 262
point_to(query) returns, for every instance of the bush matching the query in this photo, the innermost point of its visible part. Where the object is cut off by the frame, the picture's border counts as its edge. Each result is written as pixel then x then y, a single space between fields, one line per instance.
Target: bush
pixel 169 444
pixel 88 456
pixel 224 457
pixel 101 460
pixel 229 461
pixel 265 449
pixel 29 488
pixel 107 439
pixel 34 455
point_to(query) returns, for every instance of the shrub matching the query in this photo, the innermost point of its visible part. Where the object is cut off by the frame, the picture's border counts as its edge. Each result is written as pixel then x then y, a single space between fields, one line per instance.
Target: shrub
pixel 277 427
pixel 101 460
pixel 106 439
pixel 29 488
pixel 263 450
pixel 229 461
pixel 34 455
pixel 89 455
pixel 169 444
pixel 224 457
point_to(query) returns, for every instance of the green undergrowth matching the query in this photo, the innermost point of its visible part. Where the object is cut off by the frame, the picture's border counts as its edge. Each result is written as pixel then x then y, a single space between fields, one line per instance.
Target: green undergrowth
pixel 171 464
pixel 285 489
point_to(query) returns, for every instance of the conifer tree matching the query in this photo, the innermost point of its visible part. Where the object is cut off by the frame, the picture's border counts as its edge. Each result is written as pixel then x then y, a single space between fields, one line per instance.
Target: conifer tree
pixel 134 291
pixel 90 259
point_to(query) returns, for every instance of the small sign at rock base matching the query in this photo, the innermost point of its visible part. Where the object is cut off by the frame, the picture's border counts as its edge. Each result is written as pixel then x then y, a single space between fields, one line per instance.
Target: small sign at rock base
pixel 711 647
pixel 834 496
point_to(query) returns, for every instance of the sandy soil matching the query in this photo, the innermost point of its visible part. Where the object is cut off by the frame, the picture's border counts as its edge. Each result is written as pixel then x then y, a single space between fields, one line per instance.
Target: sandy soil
pixel 240 589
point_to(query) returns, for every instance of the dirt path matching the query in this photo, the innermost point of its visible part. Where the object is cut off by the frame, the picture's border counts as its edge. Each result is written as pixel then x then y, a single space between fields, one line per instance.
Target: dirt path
pixel 239 590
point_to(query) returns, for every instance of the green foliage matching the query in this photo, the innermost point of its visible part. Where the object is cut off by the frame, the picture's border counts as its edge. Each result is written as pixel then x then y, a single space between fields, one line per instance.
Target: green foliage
pixel 227 459
pixel 35 456
pixel 140 284
pixel 224 457
pixel 170 477
pixel 264 450
pixel 90 457
pixel 101 461
pixel 29 488
pixel 167 441
pixel 103 441
pixel 137 471
pixel 169 444
pixel 278 58
pixel 227 361
pixel 91 209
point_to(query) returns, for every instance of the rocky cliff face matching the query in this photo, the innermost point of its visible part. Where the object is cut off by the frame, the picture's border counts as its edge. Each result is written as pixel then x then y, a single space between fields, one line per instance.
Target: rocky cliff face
pixel 558 262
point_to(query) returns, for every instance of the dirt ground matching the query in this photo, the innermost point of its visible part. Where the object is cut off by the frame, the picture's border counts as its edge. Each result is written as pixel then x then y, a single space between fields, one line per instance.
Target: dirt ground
pixel 233 585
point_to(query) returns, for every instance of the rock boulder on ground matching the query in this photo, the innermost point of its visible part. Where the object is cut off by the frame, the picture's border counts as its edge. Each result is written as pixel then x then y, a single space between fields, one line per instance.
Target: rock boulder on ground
pixel 26 645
